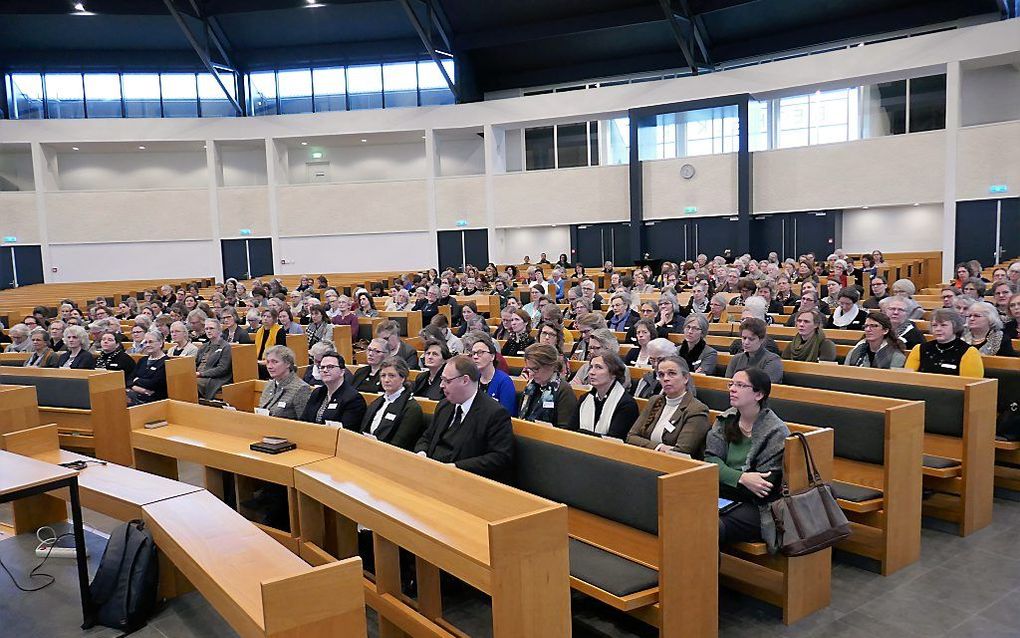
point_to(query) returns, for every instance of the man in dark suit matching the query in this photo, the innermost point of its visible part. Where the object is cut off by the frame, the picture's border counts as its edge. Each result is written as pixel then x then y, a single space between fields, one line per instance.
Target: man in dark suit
pixel 469 429
pixel 336 399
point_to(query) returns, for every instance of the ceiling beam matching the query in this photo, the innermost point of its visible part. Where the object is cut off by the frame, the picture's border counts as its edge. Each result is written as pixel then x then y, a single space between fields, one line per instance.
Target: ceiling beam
pixel 211 35
pixel 707 6
pixel 203 55
pixel 430 48
pixel 678 34
pixel 522 33
pixel 698 30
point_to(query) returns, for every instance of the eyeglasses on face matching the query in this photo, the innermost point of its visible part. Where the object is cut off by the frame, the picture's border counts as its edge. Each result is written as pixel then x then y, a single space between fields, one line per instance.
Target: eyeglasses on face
pixel 740 385
pixel 329 367
pixel 480 352
pixel 448 380
pixel 375 351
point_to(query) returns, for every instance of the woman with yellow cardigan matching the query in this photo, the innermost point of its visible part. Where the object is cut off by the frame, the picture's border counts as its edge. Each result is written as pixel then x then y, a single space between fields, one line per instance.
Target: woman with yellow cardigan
pixel 947 353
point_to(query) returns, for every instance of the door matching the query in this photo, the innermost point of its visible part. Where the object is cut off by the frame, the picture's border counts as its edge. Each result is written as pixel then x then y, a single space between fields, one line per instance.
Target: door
pixel 620 253
pixel 768 235
pixel 1009 230
pixel 589 245
pixel 476 247
pixel 814 232
pixel 666 239
pixel 247 258
pixel 974 236
pixel 260 256
pixel 713 235
pixel 458 248
pixel 20 266
pixel 7 276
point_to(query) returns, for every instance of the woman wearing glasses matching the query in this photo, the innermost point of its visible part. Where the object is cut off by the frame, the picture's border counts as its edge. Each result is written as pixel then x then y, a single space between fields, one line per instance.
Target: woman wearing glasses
pixel 334 400
pixel 674 421
pixel 494 382
pixel 699 356
pixel 747 443
pixel 880 348
pixel 547 397
pixel 366 379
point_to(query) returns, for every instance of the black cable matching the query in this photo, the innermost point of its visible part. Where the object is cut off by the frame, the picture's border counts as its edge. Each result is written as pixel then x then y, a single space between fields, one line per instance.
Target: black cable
pixel 33 574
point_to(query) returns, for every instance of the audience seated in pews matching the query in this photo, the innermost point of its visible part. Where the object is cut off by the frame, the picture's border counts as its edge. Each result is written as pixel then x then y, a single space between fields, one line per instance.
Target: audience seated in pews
pixel 880 348
pixel 810 343
pixel 77 355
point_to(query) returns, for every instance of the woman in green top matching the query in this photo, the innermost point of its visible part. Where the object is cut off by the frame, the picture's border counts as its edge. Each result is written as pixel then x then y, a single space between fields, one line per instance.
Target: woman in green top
pixel 747 443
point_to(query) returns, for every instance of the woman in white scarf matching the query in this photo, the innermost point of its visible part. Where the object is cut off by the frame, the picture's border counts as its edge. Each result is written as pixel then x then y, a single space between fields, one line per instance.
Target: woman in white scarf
pixel 607 410
pixel 847 314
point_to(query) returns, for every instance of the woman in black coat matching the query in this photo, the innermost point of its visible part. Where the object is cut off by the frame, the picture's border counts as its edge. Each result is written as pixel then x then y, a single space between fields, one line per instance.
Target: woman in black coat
pixel 427 383
pixel 395 417
pixel 607 410
pixel 336 399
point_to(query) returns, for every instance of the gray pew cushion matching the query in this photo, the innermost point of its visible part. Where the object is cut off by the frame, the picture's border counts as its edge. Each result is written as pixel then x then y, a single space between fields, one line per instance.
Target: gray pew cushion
pixel 937 462
pixel 54 392
pixel 855 493
pixel 859 435
pixel 943 409
pixel 621 492
pixel 609 572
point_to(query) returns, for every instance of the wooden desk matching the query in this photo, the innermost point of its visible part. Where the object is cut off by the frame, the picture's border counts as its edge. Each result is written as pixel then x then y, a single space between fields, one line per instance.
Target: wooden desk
pixel 219 440
pixel 259 587
pixel 22 477
pixel 506 543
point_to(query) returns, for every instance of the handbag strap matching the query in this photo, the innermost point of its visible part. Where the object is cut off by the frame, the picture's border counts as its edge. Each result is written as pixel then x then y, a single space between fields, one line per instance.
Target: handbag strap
pixel 809 461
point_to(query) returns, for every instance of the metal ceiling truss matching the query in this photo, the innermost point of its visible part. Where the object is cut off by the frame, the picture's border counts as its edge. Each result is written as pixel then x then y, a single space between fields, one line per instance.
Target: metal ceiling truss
pixel 698 30
pixel 673 20
pixel 203 52
pixel 425 33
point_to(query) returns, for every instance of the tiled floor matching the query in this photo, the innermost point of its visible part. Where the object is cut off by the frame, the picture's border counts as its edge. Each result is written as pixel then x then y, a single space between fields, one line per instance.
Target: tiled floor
pixel 961 587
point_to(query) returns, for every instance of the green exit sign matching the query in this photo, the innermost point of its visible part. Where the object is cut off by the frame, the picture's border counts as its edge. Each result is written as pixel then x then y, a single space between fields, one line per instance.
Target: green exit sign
pixel 690 209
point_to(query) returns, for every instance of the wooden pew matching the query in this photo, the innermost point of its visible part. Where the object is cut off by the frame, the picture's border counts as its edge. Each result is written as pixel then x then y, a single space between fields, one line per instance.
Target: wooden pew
pixel 257 585
pixel 219 441
pixel 299 344
pixel 504 542
pixel 663 530
pixel 799 585
pixel 88 406
pixel 243 365
pixel 1007 453
pixel 877 449
pixel 959 444
pixel 243 395
pixel 19 408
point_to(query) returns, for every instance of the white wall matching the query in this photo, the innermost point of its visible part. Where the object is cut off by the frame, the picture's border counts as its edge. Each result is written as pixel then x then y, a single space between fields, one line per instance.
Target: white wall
pixel 712 190
pixel 988 155
pixel 514 243
pixel 16 171
pixel 572 195
pixel 990 94
pixel 137 260
pixel 243 167
pixel 461 157
pixel 355 253
pixel 129 171
pixel 893 228
pixel 18 217
pixel 361 163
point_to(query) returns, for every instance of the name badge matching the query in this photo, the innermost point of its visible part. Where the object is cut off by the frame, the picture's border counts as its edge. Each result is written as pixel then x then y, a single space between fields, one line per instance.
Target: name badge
pixel 220 350
pixel 948 366
pixel 281 404
pixel 548 404
pixel 669 427
pixel 390 416
pixel 262 411
pixel 374 438
pixel 334 423
pixel 331 406
pixel 152 368
pixel 696 363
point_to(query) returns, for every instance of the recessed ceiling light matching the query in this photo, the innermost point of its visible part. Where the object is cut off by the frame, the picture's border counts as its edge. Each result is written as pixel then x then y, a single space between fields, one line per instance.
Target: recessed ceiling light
pixel 79 10
pixel 363 141
pixel 141 148
pixel 917 203
pixel 864 207
pixel 74 148
pixel 304 143
pixel 78 6
pixel 422 137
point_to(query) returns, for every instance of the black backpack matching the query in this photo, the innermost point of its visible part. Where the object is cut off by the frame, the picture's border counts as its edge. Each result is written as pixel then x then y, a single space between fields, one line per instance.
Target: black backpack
pixel 124 589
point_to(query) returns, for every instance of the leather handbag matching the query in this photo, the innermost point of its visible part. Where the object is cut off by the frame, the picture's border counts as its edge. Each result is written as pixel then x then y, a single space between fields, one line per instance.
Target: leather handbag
pixel 808 520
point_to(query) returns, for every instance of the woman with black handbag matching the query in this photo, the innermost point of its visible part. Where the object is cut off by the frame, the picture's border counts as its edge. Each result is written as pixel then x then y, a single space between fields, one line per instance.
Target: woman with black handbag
pixel 747 443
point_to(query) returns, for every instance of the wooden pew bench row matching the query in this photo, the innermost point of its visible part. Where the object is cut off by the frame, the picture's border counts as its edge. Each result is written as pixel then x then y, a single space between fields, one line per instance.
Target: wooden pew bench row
pixel 257 585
